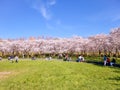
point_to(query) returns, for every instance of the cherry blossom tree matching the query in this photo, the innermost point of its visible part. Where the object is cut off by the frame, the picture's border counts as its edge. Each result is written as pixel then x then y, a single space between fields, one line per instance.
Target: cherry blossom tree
pixel 94 45
pixel 114 39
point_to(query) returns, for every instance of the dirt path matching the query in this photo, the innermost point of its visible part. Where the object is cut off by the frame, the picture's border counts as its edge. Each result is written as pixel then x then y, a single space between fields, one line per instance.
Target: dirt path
pixel 4 74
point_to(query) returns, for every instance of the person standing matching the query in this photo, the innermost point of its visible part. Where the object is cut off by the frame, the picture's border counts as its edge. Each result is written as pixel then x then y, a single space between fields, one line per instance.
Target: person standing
pixel 105 60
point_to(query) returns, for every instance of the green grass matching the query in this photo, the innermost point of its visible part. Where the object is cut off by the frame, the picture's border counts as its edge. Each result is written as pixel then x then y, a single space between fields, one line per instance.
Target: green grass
pixel 57 75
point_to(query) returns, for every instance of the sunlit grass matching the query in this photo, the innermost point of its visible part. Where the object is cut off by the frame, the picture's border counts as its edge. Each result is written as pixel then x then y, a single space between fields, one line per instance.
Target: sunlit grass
pixel 57 75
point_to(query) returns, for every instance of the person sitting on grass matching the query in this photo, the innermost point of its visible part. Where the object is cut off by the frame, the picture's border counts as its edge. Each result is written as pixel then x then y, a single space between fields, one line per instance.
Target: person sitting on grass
pixel 112 63
pixel 16 59
pixel 80 58
pixel 33 58
pixel 108 61
pixel 66 57
pixel 12 58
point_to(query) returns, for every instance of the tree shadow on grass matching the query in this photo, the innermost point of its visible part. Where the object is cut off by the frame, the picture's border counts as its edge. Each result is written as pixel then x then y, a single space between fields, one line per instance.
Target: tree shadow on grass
pixel 115 78
pixel 117 71
pixel 95 62
pixel 115 84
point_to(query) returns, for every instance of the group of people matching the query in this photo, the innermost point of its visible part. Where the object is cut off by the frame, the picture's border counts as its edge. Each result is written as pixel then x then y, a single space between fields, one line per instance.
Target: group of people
pixel 107 61
pixel 12 58
pixel 67 57
pixel 80 59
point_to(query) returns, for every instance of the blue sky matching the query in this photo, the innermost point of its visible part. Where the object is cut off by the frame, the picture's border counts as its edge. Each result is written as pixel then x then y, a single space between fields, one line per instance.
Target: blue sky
pixel 57 18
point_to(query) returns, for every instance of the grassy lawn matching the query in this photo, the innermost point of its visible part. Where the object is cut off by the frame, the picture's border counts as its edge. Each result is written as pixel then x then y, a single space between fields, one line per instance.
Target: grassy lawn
pixel 57 75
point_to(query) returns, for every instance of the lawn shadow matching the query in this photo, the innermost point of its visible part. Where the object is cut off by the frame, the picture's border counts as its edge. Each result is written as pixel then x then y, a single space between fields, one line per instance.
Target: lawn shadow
pixel 95 62
pixel 117 71
pixel 115 78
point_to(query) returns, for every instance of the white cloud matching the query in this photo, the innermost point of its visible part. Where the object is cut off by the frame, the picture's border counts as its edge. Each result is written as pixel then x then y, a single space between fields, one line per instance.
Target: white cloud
pixel 51 2
pixel 43 6
pixel 45 13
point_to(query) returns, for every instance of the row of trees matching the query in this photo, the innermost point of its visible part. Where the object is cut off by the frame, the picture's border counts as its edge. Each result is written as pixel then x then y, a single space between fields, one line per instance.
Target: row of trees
pixel 93 45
